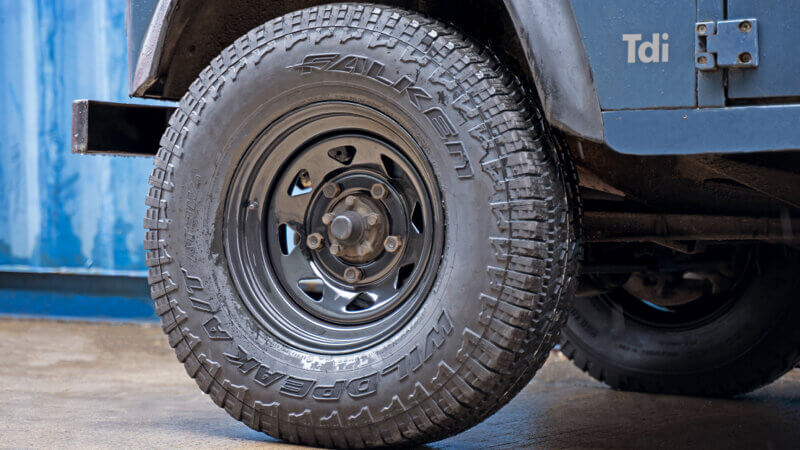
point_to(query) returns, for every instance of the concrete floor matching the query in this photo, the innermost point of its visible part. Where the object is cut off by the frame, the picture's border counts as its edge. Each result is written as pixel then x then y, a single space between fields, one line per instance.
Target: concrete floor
pixel 89 385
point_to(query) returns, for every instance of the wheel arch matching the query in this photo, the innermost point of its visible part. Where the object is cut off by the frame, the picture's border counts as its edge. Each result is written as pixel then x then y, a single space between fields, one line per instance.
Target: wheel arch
pixel 539 41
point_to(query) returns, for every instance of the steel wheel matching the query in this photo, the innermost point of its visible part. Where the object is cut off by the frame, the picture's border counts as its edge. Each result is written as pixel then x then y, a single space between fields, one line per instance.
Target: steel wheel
pixel 343 220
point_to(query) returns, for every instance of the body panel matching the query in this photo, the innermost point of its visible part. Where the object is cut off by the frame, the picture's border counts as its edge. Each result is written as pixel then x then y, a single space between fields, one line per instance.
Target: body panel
pixel 778 35
pixel 137 20
pixel 653 71
pixel 145 72
pixel 714 130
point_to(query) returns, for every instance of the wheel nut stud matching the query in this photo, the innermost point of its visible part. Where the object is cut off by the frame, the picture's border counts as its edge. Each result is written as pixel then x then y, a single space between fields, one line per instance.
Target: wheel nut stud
pixel 335 249
pixel 378 191
pixel 372 219
pixel 314 241
pixel 328 218
pixel 392 244
pixel 350 200
pixel 331 190
pixel 352 275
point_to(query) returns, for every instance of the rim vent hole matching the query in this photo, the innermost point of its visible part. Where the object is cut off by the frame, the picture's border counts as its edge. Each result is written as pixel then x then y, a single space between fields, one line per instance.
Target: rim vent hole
pixel 343 154
pixel 360 303
pixel 301 185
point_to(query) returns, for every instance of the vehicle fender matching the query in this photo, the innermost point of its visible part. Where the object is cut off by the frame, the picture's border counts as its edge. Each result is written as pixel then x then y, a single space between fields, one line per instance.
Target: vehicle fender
pixel 554 50
pixel 548 33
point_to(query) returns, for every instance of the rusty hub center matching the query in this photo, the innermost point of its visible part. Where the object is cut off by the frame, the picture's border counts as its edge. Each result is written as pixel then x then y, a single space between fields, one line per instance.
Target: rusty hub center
pixel 357 228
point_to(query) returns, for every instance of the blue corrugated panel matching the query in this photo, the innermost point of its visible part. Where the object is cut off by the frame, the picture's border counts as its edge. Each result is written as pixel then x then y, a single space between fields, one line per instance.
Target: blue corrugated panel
pixel 61 212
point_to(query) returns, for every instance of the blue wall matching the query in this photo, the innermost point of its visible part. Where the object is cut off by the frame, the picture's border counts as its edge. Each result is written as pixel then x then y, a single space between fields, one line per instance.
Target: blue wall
pixel 59 212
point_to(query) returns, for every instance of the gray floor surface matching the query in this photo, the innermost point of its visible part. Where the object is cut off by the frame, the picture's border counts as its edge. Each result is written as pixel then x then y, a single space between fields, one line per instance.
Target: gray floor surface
pixel 85 385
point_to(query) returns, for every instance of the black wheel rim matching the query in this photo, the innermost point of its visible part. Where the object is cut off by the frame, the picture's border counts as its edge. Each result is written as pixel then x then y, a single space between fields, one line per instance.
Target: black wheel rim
pixel 694 314
pixel 333 227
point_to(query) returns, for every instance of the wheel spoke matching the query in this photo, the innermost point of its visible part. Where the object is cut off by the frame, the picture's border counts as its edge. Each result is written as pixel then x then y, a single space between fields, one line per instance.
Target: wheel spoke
pixel 290 209
pixel 384 290
pixel 297 267
pixel 413 249
pixel 368 153
pixel 335 299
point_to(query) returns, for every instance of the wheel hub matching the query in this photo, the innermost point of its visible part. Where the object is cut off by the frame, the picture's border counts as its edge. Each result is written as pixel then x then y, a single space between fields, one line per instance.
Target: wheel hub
pixel 357 227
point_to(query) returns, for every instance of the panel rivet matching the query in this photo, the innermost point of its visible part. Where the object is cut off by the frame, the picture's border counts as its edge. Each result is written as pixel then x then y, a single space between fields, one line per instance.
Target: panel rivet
pixel 701 28
pixel 745 57
pixel 745 26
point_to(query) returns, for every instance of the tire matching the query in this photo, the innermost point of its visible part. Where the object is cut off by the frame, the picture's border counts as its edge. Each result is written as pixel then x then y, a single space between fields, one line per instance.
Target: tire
pixel 501 269
pixel 748 342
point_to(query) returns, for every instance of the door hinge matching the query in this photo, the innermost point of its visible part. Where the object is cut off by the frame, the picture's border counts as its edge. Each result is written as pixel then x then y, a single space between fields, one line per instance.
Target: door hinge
pixel 726 44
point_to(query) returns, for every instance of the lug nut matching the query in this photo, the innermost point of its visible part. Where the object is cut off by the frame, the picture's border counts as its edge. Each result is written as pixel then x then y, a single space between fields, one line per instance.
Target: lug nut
pixel 352 275
pixel 328 218
pixel 372 219
pixel 314 241
pixel 392 244
pixel 350 201
pixel 335 249
pixel 331 190
pixel 378 191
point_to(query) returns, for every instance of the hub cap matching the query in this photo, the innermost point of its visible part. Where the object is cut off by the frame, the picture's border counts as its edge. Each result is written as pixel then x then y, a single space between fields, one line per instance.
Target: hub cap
pixel 339 243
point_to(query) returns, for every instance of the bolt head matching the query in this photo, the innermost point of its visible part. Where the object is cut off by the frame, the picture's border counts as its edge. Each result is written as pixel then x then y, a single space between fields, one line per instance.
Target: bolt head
pixel 702 60
pixel 328 218
pixel 701 28
pixel 378 191
pixel 392 244
pixel 331 190
pixel 335 249
pixel 350 201
pixel 314 241
pixel 352 275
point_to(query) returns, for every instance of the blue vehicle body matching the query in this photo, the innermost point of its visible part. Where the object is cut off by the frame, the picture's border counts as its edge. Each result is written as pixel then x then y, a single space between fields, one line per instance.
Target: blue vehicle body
pixel 686 108
pixel 663 104
pixel 621 72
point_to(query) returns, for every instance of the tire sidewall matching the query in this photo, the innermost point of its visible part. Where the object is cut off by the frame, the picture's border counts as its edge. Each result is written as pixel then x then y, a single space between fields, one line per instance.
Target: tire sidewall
pixel 752 322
